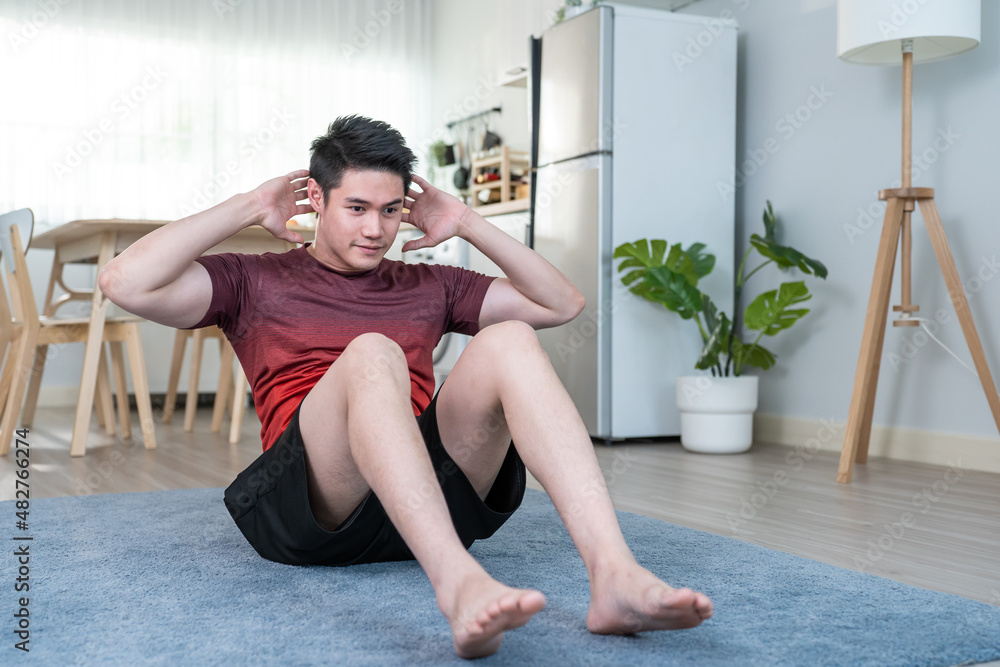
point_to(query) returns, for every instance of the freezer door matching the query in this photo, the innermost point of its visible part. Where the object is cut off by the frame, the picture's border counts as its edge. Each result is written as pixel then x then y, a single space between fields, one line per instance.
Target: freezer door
pixel 569 232
pixel 575 93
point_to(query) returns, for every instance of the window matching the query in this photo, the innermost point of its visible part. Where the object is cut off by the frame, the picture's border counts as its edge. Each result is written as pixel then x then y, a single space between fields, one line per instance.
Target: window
pixel 155 110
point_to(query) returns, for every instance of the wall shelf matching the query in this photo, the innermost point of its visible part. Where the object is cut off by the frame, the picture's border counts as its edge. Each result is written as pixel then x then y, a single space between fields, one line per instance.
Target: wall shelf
pixel 502 162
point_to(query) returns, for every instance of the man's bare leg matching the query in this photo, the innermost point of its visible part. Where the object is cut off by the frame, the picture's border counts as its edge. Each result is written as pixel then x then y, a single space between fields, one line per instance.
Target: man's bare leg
pixel 360 434
pixel 504 386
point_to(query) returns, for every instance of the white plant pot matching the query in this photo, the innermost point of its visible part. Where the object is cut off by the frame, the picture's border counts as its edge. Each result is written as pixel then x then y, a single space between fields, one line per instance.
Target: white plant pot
pixel 717 413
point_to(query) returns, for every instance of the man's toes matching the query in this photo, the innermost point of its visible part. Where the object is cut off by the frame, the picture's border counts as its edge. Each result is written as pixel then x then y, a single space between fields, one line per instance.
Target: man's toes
pixel 531 603
pixel 673 599
pixel 509 603
pixel 703 605
pixel 488 613
pixel 684 597
pixel 473 629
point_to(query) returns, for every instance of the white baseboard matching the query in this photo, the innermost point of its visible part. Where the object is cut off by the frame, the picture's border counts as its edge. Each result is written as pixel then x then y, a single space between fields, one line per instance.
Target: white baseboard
pixel 905 444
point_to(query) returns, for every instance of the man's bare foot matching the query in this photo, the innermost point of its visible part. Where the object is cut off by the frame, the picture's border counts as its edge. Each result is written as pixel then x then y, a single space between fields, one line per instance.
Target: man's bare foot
pixel 629 599
pixel 482 609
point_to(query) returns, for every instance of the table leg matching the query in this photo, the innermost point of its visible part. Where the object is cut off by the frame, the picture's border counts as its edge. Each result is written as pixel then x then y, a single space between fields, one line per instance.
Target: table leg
pixel 121 388
pixel 103 399
pixel 91 356
pixel 137 361
pixel 191 405
pixel 176 361
pixel 239 404
pixel 34 385
pixel 224 385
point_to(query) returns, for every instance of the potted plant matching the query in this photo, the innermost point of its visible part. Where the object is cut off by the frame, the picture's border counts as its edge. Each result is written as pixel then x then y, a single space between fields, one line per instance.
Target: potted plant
pixel 437 152
pixel 717 409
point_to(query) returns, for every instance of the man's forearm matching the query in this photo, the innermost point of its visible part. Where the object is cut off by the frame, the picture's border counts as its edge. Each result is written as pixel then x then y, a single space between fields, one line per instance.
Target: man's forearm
pixel 159 258
pixel 529 273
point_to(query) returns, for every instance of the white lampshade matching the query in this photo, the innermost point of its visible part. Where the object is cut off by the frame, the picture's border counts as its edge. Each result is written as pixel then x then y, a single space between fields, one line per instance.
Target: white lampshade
pixel 869 32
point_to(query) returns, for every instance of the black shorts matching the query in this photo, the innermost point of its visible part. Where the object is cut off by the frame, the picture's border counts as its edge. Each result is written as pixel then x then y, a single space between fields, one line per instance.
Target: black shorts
pixel 270 503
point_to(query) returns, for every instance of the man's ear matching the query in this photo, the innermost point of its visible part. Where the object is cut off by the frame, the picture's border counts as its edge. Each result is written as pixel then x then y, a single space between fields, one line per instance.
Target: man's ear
pixel 315 193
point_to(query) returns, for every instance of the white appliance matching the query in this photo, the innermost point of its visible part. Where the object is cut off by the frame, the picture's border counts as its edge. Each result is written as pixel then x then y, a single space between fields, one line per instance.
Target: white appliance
pixel 634 136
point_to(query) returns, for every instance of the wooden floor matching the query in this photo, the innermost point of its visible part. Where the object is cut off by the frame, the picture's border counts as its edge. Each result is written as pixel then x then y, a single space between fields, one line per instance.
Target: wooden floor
pixel 929 526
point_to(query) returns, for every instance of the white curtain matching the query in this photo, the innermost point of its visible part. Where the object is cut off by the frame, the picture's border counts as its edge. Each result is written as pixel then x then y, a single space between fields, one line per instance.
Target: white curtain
pixel 154 109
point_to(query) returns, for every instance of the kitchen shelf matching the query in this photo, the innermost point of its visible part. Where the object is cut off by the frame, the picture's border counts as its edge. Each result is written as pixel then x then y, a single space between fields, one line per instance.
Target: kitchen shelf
pixel 514 77
pixel 495 160
pixel 503 162
pixel 500 208
pixel 476 187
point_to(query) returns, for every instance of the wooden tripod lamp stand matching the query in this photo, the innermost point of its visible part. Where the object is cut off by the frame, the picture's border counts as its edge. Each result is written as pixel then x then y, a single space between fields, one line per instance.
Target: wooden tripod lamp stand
pixel 887 32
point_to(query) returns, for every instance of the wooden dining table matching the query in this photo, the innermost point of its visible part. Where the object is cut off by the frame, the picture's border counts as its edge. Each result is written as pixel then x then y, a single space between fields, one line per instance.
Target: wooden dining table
pixel 97 242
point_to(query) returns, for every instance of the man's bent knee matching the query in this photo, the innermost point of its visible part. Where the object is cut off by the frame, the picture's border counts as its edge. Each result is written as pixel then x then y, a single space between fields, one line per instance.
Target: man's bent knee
pixel 511 331
pixel 373 355
pixel 510 337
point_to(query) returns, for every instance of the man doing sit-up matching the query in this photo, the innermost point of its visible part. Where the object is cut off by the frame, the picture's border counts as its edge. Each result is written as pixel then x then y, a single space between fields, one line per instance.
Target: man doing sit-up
pixel 360 463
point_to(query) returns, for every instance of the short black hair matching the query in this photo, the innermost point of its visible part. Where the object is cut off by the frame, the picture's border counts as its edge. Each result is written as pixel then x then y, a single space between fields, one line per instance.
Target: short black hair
pixel 357 142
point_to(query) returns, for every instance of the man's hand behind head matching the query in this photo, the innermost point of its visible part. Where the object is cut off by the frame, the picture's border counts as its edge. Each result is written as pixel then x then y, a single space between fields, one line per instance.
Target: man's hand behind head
pixel 276 201
pixel 439 215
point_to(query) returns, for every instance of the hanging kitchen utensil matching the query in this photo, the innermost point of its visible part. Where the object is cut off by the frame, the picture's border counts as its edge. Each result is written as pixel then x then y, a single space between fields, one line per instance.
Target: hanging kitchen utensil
pixel 461 177
pixel 462 174
pixel 491 140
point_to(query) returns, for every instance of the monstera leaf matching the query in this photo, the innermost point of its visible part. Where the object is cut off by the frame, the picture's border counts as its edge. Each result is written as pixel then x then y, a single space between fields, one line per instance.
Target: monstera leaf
pixel 702 261
pixel 693 263
pixel 673 291
pixel 751 354
pixel 717 343
pixel 710 312
pixel 639 256
pixel 771 312
pixel 669 278
pixel 644 253
pixel 784 256
pixel 680 262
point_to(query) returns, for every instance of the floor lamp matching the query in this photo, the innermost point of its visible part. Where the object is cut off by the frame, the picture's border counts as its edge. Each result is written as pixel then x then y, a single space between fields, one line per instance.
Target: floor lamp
pixel 890 32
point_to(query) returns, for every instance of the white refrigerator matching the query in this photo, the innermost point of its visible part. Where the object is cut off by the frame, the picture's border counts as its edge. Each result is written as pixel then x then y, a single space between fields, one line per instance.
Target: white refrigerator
pixel 633 139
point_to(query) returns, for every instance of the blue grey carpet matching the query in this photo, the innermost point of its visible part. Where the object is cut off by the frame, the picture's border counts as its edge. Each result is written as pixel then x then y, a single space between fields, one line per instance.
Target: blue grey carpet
pixel 166 578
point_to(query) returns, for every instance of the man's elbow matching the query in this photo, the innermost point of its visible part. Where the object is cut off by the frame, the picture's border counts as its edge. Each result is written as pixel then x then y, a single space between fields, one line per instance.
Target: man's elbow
pixel 578 303
pixel 111 283
pixel 571 308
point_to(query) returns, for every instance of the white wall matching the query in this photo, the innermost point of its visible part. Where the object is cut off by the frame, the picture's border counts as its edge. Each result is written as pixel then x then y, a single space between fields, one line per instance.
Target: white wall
pixel 829 168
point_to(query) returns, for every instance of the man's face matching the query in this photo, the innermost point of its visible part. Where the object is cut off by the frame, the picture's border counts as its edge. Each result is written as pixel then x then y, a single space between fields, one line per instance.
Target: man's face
pixel 358 221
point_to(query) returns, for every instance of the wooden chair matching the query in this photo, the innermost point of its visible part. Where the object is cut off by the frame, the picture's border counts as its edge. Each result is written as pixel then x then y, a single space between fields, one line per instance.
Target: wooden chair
pixel 229 391
pixel 32 334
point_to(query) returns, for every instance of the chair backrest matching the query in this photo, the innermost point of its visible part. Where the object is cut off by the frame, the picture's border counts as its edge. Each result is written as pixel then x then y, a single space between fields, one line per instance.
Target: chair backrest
pixel 24 220
pixel 16 229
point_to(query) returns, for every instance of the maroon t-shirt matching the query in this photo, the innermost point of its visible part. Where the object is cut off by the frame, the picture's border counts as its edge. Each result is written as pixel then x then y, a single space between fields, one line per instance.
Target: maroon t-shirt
pixel 289 317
